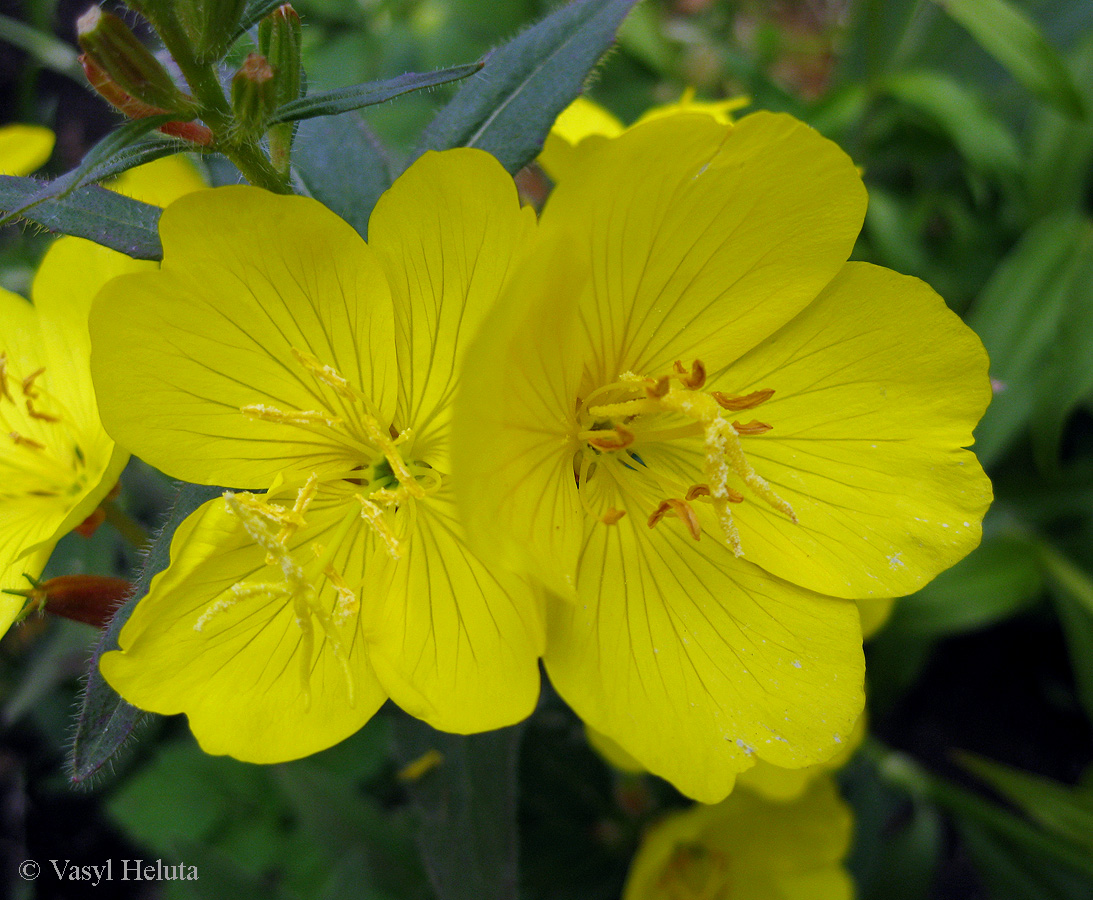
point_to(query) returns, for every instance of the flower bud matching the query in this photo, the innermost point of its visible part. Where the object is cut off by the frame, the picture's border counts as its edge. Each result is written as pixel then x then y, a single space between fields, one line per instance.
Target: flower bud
pixel 253 96
pixel 279 42
pixel 210 25
pixel 122 62
pixel 91 599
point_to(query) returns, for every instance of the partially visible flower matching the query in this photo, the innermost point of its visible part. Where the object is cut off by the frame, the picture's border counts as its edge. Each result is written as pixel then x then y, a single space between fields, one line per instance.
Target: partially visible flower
pixel 584 124
pixel 24 148
pixel 57 464
pixel 276 349
pixel 707 433
pixel 749 848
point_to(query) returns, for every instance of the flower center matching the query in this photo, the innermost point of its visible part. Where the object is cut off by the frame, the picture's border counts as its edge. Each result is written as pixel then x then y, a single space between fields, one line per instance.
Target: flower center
pixel 377 483
pixel 618 418
pixel 43 451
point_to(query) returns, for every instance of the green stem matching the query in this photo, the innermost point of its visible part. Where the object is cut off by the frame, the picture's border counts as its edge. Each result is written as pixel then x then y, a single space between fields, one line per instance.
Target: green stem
pixel 128 527
pixel 905 774
pixel 216 112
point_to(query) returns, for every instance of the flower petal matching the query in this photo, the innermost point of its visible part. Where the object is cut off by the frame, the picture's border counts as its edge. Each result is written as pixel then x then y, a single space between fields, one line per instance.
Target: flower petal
pixel 703 239
pixel 236 672
pixel 451 642
pixel 581 120
pixel 248 278
pixel 514 431
pixel 449 232
pixel 692 660
pixel 160 182
pixel 877 388
pixel 23 148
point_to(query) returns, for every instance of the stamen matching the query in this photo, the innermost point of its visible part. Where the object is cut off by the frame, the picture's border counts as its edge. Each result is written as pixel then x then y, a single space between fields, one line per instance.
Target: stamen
pixel 25 441
pixel 612 516
pixel 657 388
pixel 749 401
pixel 348 604
pixel 680 509
pixel 38 414
pixel 295 517
pixel 703 490
pixel 752 427
pixel 28 383
pixel 297 417
pixel 693 379
pixel 4 392
pixel 373 515
pixel 328 375
pixel 616 439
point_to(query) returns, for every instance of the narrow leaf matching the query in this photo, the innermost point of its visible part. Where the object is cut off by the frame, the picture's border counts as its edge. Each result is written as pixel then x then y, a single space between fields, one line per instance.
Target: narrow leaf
pixel 982 138
pixel 466 806
pixel 121 149
pixel 342 165
pixel 1077 625
pixel 331 103
pixel 508 108
pixel 253 13
pixel 91 212
pixel 1063 810
pixel 1013 39
pixel 105 721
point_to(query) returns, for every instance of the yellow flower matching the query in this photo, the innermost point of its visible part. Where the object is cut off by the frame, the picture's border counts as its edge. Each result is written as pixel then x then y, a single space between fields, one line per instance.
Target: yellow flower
pixel 584 124
pixel 705 432
pixel 57 464
pixel 24 148
pixel 275 347
pixel 748 848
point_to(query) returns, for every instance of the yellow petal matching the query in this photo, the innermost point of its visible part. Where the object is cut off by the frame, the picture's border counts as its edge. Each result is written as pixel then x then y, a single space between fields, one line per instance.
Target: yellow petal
pixel 694 661
pixel 582 119
pixel 748 848
pixel 703 239
pixel 452 642
pixel 24 148
pixel 448 232
pixel 514 430
pixel 249 281
pixel 160 182
pixel 877 388
pixel 235 669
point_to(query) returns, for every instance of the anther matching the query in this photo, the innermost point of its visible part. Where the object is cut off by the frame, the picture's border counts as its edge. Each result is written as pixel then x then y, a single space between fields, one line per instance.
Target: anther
pixel 703 490
pixel 656 388
pixel 748 401
pixel 373 515
pixel 25 441
pixel 680 509
pixel 296 417
pixel 28 383
pixel 304 496
pixel 752 427
pixel 616 439
pixel 612 516
pixel 38 414
pixel 348 604
pixel 328 375
pixel 693 379
pixel 4 392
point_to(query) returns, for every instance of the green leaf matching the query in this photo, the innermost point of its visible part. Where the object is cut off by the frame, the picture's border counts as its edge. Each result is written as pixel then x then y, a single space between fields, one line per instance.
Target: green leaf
pixel 1013 872
pixel 106 722
pixel 332 103
pixel 466 807
pixel 123 148
pixel 1013 39
pixel 1061 150
pixel 1018 316
pixel 342 164
pixel 980 136
pixel 1067 375
pixel 1065 811
pixel 95 213
pixel 508 108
